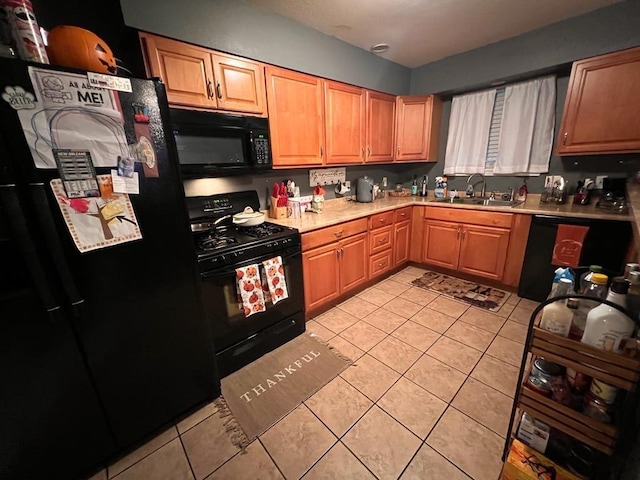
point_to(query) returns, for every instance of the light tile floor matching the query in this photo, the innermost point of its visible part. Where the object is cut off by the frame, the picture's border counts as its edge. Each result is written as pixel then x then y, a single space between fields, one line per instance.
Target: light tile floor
pixel 429 397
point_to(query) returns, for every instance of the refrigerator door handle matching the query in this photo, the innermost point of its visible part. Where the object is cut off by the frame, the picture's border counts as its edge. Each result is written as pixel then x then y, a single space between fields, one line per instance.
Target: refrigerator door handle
pixel 19 229
pixel 43 210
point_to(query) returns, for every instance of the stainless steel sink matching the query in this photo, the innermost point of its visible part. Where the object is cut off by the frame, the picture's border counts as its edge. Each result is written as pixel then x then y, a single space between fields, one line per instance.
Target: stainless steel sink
pixel 490 202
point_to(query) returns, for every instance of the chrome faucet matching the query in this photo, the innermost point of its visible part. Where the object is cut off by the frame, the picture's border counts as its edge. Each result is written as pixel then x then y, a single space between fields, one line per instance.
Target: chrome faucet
pixel 473 188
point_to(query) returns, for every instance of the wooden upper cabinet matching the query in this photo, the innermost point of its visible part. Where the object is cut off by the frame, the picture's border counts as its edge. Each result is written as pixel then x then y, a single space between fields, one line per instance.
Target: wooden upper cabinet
pixel 380 112
pixel 203 78
pixel 239 84
pixel 344 114
pixel 186 70
pixel 417 127
pixel 601 112
pixel 295 118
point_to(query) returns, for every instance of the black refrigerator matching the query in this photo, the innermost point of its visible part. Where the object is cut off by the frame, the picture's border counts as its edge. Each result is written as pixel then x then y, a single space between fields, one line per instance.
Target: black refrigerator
pixel 103 338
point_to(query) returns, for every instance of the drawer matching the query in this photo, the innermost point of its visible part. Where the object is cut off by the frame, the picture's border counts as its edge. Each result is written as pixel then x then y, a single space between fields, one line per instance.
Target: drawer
pixel 402 214
pixel 331 234
pixel 380 263
pixel 381 220
pixel 476 217
pixel 380 239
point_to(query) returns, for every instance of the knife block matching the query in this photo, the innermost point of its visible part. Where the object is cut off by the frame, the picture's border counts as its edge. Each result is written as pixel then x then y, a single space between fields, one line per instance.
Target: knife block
pixel 277 212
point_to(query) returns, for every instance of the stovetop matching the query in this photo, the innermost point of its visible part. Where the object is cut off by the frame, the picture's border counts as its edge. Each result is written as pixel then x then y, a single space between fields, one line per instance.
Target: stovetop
pixel 228 245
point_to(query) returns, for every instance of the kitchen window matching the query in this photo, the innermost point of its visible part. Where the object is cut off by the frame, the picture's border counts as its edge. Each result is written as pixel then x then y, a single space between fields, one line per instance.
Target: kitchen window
pixel 503 131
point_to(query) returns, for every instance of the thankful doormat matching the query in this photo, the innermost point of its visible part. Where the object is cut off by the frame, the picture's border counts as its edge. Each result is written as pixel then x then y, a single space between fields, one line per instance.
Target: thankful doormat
pixel 258 395
pixel 474 293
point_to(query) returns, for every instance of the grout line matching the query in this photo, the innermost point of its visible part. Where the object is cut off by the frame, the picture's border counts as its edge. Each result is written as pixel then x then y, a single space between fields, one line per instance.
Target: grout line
pixel 269 455
pixel 109 477
pixel 193 473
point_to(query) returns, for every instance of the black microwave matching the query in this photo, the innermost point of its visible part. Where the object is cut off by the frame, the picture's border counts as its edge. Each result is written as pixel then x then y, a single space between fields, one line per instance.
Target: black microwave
pixel 215 144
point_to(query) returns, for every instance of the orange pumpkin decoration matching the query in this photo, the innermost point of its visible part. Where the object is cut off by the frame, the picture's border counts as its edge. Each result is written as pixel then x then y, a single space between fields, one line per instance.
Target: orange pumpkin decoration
pixel 76 47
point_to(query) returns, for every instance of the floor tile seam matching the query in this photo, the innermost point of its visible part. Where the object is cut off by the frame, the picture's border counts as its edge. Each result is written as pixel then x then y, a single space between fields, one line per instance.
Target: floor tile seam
pixel 505 320
pixel 272 426
pixel 445 458
pixel 442 454
pixel 435 394
pixel 184 449
pixel 264 447
pixel 479 421
pixel 490 386
pixel 358 458
pixel 455 368
pixel 379 306
pixel 418 323
pixel 333 331
pixel 375 402
pixel 109 477
pixel 502 360
pixel 392 368
pixel 470 346
pixel 352 344
pixel 389 333
pixel 195 424
pixel 517 341
pixel 401 423
pixel 349 313
pixel 421 351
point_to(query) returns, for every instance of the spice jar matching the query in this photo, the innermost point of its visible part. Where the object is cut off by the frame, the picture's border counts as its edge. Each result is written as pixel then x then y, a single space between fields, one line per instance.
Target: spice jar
pixel 542 372
pixel 595 408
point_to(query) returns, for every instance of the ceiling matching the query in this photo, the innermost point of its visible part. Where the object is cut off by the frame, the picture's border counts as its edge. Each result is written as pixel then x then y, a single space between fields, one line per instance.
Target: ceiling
pixel 423 31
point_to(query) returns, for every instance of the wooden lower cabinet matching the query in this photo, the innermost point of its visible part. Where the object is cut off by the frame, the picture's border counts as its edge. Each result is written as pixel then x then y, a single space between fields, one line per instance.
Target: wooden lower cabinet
pixel 333 269
pixel 473 249
pixel 380 263
pixel 321 267
pixel 483 251
pixel 441 243
pixel 401 242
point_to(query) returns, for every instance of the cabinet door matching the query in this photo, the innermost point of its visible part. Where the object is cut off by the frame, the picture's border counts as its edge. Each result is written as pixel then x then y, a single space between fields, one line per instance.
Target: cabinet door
pixel 381 111
pixel 601 110
pixel 483 251
pixel 295 118
pixel 321 273
pixel 239 84
pixel 441 243
pixel 417 128
pixel 353 266
pixel 186 70
pixel 344 123
pixel 401 242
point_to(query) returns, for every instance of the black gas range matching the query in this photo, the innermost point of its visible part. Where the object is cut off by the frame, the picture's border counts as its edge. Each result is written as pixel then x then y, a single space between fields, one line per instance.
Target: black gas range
pixel 222 249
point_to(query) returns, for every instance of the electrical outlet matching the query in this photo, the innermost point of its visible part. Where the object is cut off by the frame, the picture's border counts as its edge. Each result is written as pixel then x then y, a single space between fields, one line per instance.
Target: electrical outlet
pixel 600 182
pixel 347 184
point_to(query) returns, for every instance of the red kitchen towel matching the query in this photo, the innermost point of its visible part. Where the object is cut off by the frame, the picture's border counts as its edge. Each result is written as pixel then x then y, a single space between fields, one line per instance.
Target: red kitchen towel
pixel 275 279
pixel 250 289
pixel 568 246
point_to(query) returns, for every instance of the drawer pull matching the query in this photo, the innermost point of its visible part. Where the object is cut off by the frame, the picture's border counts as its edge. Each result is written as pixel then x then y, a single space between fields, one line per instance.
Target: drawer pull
pixel 338 234
pixel 381 265
pixel 403 214
pixel 382 220
pixel 382 240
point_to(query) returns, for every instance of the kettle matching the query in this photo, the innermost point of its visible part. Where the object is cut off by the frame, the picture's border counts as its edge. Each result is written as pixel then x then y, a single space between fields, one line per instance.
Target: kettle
pixel 364 189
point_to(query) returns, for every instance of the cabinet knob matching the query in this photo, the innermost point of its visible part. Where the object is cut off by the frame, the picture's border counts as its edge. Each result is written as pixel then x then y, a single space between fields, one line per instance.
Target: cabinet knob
pixel 338 234
pixel 381 240
pixel 398 149
pixel 219 90
pixel 368 151
pixel 382 220
pixel 564 138
pixel 381 264
pixel 320 151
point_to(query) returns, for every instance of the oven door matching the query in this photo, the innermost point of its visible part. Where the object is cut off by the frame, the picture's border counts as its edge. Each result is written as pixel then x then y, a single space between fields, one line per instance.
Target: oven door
pixel 224 309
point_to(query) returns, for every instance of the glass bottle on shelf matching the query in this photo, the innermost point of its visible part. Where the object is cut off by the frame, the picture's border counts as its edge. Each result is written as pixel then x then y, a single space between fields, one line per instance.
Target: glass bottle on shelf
pixel 414 185
pixel 608 328
pixel 557 316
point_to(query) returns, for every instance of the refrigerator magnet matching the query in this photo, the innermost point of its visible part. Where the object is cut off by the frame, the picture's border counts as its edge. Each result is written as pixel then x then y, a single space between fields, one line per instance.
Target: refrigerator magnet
pixel 18 98
pixel 140 113
pixel 77 172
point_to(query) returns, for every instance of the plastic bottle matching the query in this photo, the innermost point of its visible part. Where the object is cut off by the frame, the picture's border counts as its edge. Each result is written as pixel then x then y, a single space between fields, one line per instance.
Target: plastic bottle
pixel 414 185
pixel 606 327
pixel 557 316
pixel 559 274
pixel 585 278
pixel 522 192
pixel 423 187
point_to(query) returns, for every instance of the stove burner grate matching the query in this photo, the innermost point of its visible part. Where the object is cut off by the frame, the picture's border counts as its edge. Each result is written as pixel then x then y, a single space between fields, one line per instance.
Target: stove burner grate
pixel 213 242
pixel 264 230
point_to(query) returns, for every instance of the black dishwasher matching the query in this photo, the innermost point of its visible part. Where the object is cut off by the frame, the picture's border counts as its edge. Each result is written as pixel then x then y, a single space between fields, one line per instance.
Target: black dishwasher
pixel 606 244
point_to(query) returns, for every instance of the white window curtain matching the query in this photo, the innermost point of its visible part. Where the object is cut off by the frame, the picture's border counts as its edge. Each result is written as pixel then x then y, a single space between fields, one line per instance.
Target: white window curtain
pixel 469 125
pixel 528 122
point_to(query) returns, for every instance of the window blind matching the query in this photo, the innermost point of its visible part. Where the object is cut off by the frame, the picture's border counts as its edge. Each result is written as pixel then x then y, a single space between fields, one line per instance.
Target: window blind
pixel 494 132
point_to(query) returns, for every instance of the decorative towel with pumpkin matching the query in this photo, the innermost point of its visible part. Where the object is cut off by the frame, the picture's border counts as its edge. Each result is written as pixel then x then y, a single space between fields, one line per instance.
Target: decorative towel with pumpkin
pixel 257 286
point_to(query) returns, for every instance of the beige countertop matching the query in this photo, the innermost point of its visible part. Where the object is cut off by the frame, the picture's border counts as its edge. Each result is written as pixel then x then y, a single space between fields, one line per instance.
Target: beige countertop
pixel 342 210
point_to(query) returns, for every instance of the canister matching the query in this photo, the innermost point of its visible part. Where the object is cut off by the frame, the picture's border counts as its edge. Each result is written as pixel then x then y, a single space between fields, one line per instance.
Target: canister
pixel 605 392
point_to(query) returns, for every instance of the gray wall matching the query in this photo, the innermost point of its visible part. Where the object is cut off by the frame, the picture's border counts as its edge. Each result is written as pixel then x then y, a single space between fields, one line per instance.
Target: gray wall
pixel 602 31
pixel 543 50
pixel 237 27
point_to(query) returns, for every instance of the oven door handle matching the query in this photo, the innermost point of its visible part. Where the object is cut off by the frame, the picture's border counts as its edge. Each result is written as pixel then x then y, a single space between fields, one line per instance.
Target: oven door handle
pixel 232 270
